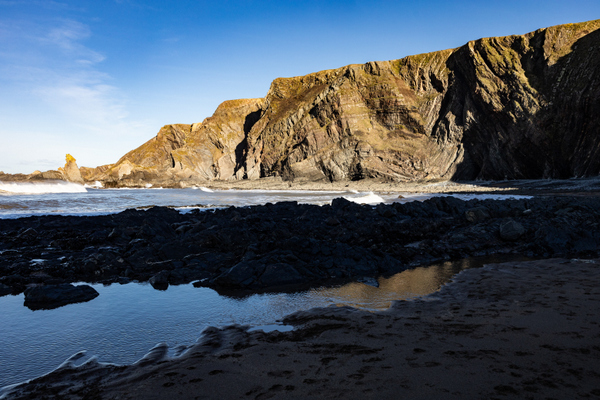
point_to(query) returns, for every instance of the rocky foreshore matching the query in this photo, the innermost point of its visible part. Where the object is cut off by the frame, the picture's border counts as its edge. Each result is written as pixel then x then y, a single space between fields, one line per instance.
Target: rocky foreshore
pixel 287 245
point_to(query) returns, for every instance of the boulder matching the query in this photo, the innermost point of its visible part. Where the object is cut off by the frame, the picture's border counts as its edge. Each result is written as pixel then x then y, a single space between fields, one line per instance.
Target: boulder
pixel 240 275
pixel 340 203
pixel 160 281
pixel 552 238
pixel 332 221
pixel 53 296
pixel 280 274
pixel 511 230
pixel 477 214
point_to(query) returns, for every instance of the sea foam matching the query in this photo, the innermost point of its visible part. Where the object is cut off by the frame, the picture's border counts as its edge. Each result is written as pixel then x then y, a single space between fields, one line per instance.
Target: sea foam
pixel 366 198
pixel 40 188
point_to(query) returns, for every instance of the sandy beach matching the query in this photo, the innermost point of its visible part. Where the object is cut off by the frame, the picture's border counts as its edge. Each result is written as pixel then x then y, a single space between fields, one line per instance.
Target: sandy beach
pixel 525 330
pixel 571 187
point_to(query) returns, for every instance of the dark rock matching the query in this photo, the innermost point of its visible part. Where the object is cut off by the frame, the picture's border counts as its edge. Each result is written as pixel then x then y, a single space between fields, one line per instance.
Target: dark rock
pixel 4 289
pixel 237 247
pixel 160 281
pixel 185 275
pixel 585 244
pixel 280 275
pixel 369 281
pixel 386 211
pixel 28 233
pixel 552 238
pixel 477 214
pixel 54 296
pixel 340 203
pixel 511 230
pixel 332 221
pixel 241 275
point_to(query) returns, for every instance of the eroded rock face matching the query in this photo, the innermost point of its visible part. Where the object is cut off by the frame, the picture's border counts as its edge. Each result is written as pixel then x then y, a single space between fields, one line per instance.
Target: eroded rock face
pixel 523 106
pixel 213 149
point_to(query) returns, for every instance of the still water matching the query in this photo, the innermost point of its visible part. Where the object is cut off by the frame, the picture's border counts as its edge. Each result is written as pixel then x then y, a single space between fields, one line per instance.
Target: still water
pixel 125 321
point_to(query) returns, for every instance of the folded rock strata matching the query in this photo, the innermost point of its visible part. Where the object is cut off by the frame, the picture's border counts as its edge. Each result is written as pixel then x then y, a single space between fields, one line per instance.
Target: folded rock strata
pixel 522 106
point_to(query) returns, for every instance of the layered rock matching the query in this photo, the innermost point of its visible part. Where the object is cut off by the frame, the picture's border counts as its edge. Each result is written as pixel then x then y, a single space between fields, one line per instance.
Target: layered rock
pixel 71 171
pixel 213 149
pixel 523 106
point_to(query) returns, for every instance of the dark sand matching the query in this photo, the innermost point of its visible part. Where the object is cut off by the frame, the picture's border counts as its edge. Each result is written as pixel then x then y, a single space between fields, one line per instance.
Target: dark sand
pixel 528 330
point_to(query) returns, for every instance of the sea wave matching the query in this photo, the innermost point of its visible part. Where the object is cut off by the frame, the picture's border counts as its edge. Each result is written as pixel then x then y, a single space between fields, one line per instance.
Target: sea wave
pixel 96 185
pixel 366 198
pixel 40 188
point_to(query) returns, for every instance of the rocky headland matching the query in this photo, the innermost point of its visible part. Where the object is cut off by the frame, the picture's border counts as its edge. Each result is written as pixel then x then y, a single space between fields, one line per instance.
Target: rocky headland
pixel 515 107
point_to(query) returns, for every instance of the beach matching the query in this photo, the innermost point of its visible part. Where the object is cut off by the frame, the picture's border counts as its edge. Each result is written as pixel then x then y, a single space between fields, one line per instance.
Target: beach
pixel 519 329
pixel 511 330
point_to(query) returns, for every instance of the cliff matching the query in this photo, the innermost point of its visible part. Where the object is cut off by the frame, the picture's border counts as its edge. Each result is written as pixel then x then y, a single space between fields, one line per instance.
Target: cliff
pixel 523 106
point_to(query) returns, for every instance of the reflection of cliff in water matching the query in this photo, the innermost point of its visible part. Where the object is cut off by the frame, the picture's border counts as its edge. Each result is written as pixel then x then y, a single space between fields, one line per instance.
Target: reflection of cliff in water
pixel 411 283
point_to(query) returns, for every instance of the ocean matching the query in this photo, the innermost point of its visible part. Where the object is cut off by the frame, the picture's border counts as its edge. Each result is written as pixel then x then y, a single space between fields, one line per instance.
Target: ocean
pixel 26 199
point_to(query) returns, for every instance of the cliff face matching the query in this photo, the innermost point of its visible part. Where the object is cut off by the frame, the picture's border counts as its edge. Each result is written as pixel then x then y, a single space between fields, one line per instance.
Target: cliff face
pixel 209 150
pixel 522 106
pixel 527 106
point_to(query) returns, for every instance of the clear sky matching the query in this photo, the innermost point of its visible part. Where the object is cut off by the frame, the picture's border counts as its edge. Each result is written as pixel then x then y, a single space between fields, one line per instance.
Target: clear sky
pixel 97 78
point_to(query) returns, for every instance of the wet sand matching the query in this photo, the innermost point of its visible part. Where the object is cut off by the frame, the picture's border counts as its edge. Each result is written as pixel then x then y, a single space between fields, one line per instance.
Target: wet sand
pixel 587 186
pixel 512 330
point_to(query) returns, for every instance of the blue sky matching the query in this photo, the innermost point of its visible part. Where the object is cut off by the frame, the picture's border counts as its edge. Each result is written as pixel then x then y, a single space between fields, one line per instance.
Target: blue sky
pixel 97 78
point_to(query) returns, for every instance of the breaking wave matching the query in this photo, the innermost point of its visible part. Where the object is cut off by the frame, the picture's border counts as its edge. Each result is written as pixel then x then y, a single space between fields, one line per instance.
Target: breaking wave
pixel 96 185
pixel 367 198
pixel 40 188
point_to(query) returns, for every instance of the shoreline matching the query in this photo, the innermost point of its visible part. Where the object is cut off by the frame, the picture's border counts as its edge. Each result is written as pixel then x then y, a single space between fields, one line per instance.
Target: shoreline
pixel 572 187
pixel 526 329
pixel 285 244
pixel 238 247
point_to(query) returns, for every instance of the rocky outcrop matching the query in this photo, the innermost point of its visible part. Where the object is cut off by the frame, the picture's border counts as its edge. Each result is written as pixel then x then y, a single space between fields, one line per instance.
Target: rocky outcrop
pixel 53 296
pixel 71 171
pixel 213 149
pixel 288 245
pixel 523 106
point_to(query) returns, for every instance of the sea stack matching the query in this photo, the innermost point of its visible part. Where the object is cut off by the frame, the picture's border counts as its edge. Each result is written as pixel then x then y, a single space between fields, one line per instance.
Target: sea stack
pixel 71 170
